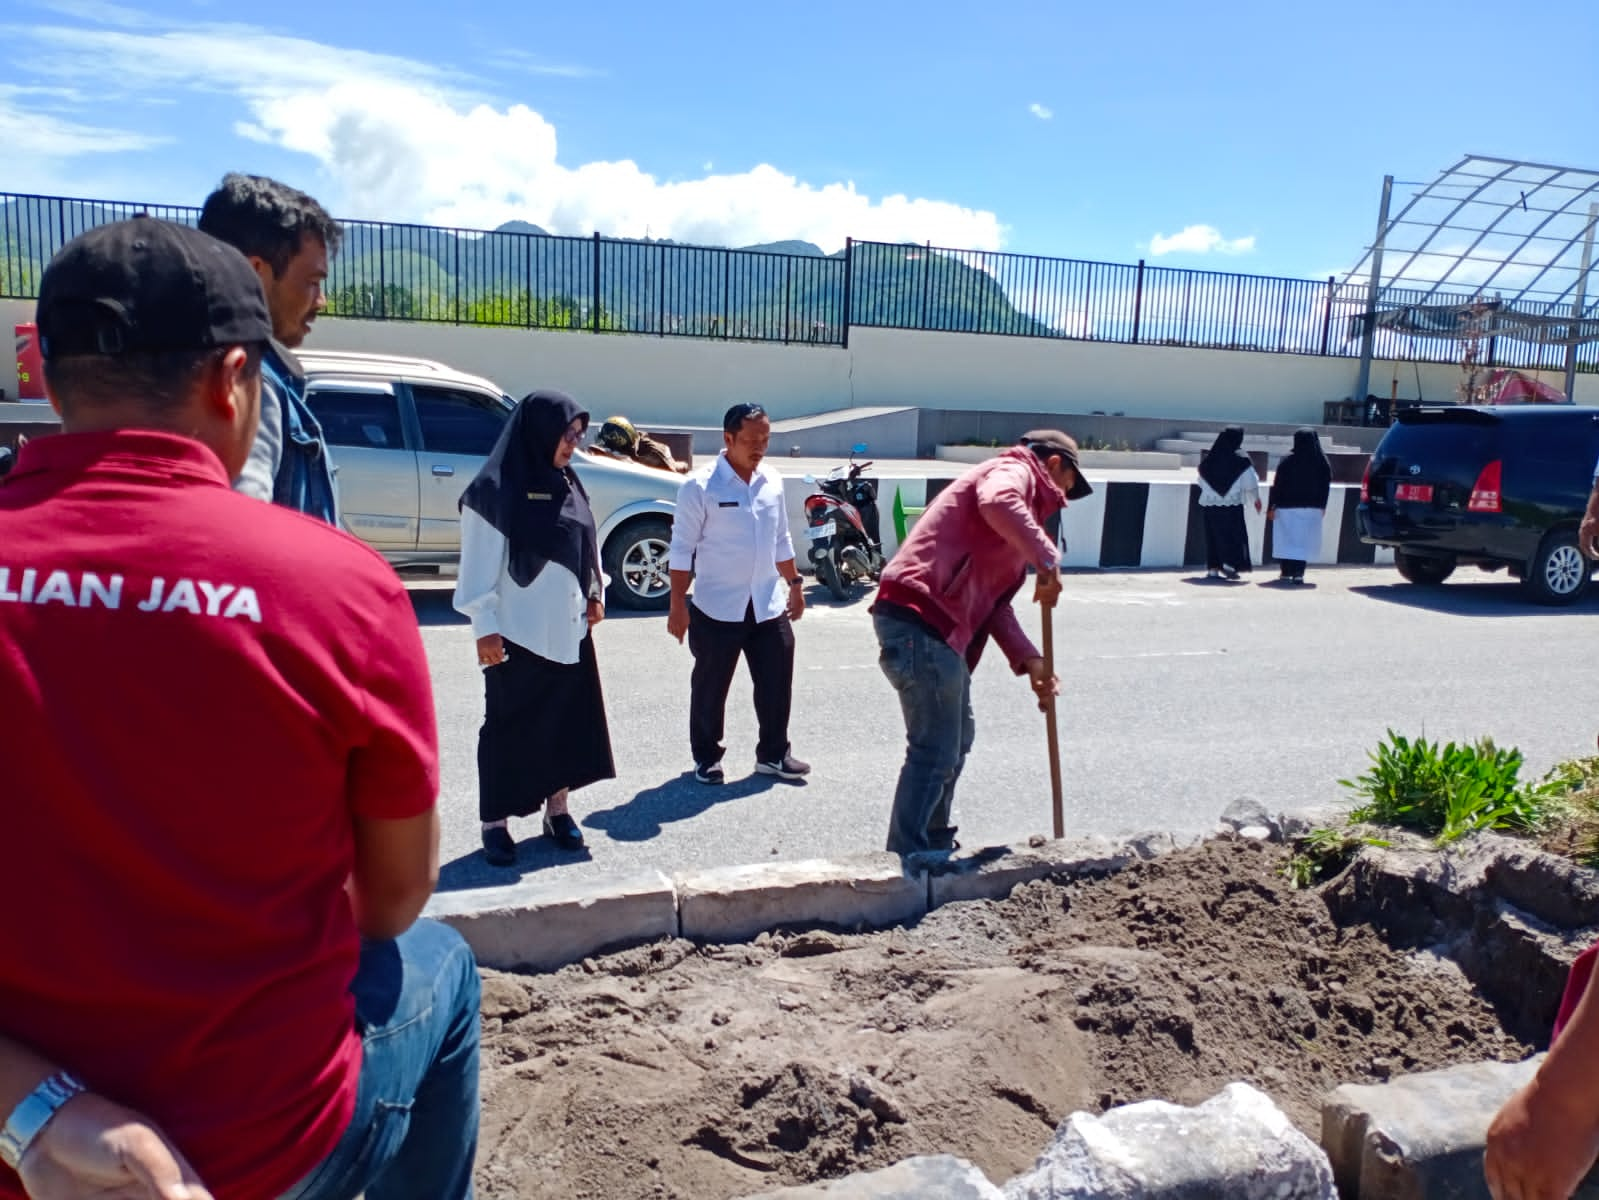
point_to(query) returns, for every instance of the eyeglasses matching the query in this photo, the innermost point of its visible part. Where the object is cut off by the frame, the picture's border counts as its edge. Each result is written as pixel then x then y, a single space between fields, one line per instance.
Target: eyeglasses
pixel 572 437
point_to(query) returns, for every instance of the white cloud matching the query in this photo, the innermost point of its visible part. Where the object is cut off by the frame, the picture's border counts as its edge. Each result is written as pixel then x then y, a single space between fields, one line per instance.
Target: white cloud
pixel 1199 239
pixel 1040 111
pixel 407 141
pixel 30 133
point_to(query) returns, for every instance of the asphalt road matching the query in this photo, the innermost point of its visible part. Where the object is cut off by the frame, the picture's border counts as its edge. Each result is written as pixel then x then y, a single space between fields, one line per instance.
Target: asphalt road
pixel 1180 694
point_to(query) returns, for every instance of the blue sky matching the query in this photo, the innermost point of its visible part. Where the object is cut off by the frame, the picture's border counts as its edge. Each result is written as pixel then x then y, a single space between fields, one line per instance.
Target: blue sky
pixel 1236 135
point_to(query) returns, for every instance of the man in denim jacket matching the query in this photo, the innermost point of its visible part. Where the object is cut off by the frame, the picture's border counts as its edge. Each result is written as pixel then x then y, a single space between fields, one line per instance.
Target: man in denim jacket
pixel 944 594
pixel 288 238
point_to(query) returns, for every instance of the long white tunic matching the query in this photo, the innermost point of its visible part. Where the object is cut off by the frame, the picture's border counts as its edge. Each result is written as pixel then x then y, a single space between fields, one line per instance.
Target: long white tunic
pixel 1297 534
pixel 548 617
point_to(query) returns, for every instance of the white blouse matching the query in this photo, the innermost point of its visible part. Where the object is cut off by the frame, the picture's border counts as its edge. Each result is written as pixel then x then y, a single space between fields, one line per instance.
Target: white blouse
pixel 548 617
pixel 1245 489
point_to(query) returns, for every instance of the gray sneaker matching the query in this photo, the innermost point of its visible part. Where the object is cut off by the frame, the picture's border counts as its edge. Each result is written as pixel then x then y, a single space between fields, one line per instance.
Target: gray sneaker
pixel 788 767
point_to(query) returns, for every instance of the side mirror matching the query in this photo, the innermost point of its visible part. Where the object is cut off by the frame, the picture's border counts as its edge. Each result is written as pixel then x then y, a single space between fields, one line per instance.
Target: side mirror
pixel 858 448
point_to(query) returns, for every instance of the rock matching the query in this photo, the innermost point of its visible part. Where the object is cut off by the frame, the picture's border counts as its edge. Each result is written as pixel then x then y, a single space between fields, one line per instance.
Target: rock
pixel 1247 813
pixel 938 1177
pixel 1237 1145
pixel 1151 845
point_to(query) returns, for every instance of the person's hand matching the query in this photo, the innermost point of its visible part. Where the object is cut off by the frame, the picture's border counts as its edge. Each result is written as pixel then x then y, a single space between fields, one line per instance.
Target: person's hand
pixel 796 602
pixel 1257 504
pixel 490 650
pixel 1047 590
pixel 1588 537
pixel 92 1147
pixel 596 612
pixel 1044 685
pixel 677 619
pixel 1540 1145
pixel 1271 514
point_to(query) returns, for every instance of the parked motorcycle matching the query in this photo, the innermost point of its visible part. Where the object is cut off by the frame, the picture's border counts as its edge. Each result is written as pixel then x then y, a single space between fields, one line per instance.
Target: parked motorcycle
pixel 842 522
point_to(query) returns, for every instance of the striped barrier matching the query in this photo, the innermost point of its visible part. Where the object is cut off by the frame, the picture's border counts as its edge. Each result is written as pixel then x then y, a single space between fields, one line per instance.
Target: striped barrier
pixel 1128 523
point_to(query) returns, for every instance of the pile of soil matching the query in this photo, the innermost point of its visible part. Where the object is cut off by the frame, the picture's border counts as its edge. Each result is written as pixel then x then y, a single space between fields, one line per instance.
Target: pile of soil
pixel 678 1071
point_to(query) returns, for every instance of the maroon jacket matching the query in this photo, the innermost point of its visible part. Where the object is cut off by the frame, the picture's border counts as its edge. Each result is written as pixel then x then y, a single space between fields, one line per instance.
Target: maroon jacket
pixel 968 554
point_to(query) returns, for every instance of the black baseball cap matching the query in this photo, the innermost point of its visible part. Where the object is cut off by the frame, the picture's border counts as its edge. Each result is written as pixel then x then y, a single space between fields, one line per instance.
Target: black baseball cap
pixel 148 285
pixel 1053 441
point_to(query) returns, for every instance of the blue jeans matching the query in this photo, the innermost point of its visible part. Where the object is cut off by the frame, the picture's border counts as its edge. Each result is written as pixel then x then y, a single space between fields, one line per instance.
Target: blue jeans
pixel 414 1133
pixel 935 694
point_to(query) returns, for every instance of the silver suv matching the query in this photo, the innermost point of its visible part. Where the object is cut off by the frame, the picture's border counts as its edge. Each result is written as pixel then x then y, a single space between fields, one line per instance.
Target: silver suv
pixel 408 434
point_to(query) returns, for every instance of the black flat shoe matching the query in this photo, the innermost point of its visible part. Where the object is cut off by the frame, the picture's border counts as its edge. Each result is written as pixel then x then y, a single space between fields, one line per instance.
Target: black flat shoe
pixel 499 848
pixel 563 831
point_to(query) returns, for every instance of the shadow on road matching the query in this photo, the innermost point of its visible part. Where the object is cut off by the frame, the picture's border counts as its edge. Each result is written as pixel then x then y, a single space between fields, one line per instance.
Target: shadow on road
pixel 1498 598
pixel 680 799
pixel 432 606
pixel 535 853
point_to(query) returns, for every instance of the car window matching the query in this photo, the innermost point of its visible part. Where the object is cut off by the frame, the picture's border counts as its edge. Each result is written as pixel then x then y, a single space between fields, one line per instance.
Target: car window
pixel 357 418
pixel 456 420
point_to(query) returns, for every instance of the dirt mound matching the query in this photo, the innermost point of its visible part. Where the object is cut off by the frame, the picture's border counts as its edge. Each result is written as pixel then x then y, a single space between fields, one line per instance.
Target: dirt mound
pixel 696 1073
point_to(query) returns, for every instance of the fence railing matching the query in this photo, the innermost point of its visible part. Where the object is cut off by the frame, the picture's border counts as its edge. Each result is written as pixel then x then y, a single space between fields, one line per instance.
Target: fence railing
pixel 533 280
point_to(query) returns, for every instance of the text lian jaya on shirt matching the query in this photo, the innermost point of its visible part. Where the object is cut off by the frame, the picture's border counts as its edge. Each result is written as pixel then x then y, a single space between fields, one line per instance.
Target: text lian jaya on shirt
pixel 88 589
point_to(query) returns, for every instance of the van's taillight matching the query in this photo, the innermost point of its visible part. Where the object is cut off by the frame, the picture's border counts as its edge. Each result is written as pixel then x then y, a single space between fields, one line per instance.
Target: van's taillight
pixel 1485 494
pixel 1365 483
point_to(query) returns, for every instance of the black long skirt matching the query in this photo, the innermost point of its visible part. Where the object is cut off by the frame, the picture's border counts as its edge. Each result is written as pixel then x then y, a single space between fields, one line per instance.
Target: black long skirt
pixel 543 730
pixel 1226 537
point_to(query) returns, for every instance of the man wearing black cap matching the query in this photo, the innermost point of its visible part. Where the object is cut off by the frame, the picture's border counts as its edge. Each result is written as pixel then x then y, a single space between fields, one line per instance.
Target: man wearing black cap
pixel 945 592
pixel 220 779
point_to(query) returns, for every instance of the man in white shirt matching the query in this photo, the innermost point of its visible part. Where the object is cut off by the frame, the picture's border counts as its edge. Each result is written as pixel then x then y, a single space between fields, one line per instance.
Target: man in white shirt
pixel 730 537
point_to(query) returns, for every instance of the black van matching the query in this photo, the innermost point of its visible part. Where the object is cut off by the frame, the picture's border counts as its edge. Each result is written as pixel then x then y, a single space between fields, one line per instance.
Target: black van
pixel 1488 487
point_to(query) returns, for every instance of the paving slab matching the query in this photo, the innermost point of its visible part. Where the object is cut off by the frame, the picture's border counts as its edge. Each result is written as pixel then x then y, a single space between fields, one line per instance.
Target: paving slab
pixel 1420 1136
pixel 541 925
pixel 732 904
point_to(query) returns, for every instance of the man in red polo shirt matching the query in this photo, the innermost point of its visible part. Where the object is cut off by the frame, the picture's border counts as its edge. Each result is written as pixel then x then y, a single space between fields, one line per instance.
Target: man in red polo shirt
pixel 220 774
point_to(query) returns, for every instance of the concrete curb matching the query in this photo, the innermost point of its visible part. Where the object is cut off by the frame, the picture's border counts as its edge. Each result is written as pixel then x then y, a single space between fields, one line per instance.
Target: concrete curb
pixel 543 925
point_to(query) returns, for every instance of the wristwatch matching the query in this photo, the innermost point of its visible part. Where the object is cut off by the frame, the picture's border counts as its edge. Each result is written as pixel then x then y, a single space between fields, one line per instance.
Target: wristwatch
pixel 33 1114
pixel 796 582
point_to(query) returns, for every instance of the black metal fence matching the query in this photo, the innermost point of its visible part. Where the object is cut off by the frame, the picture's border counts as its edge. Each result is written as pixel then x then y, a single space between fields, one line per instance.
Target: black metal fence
pixel 525 278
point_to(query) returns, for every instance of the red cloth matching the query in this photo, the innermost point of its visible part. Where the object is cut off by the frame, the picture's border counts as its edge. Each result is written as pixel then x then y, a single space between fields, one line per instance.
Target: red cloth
pixel 965 558
pixel 1576 985
pixel 176 791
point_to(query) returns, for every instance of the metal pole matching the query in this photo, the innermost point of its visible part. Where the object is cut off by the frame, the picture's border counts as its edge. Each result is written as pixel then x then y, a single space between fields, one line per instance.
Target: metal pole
pixel 1580 301
pixel 849 282
pixel 1138 301
pixel 1369 330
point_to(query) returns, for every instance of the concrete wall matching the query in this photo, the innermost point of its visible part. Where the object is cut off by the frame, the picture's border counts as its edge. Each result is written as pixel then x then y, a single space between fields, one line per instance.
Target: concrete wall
pixel 690 381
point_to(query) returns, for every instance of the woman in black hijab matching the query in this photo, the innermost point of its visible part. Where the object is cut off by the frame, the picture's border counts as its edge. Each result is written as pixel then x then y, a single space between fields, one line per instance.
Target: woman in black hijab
pixel 1299 497
pixel 1226 483
pixel 530 580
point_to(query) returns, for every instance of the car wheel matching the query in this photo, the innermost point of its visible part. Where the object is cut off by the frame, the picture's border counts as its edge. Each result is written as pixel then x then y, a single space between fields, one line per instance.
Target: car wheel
pixel 636 559
pixel 1422 568
pixel 1558 573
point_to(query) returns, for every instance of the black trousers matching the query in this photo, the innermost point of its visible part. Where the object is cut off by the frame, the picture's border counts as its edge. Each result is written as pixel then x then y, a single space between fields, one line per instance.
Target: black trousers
pixel 1292 568
pixel 769 648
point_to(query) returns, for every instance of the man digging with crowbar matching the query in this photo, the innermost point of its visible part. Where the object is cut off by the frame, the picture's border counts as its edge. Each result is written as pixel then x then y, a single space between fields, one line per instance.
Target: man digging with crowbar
pixel 945 592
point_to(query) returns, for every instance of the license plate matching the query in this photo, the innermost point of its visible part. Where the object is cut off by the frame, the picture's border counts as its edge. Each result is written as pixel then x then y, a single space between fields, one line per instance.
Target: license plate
pixel 1414 491
pixel 817 532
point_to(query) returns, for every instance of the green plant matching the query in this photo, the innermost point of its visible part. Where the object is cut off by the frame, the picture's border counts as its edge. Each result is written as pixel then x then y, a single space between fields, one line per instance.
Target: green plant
pixel 1449 790
pixel 1322 853
pixel 1576 784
